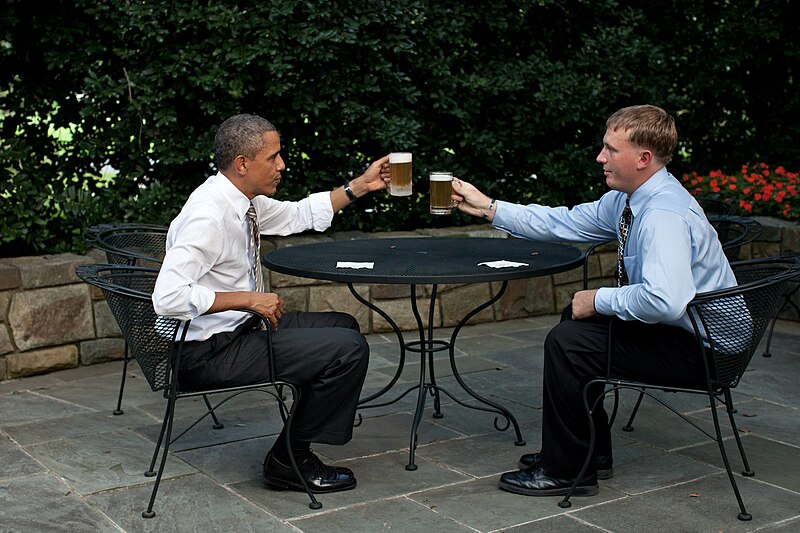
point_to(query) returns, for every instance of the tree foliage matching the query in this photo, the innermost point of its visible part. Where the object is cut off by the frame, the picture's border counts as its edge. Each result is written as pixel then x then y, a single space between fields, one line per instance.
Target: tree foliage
pixel 509 94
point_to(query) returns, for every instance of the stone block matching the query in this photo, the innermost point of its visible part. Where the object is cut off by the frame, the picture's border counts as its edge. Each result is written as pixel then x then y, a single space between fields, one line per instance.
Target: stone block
pixel 339 298
pixel 531 297
pixel 47 270
pixel 760 249
pixel 457 303
pixel 2 368
pixel 399 310
pixel 9 276
pixel 101 351
pixel 19 365
pixel 608 264
pixel 104 322
pixel 5 301
pixel 386 292
pixel 791 240
pixel 350 235
pixel 294 298
pixel 5 340
pixel 771 228
pixel 51 316
pixel 576 274
pixel 278 280
pixel 563 294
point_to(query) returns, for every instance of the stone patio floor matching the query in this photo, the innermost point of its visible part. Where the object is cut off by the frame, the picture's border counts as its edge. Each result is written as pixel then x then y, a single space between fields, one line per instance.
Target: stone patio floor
pixel 68 464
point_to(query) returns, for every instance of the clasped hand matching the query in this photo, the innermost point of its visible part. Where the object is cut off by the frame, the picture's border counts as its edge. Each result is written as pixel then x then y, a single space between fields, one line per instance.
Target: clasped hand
pixel 269 305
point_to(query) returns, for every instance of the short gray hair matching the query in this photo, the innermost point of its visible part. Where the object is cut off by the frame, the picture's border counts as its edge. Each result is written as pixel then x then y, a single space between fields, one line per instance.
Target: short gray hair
pixel 240 135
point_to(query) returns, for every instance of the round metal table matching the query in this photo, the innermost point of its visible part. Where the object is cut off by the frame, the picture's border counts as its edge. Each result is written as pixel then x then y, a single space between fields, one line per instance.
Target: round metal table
pixel 427 261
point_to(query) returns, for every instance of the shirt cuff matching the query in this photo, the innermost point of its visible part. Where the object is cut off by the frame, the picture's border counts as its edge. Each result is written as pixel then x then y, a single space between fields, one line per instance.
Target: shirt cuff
pixel 602 301
pixel 200 300
pixel 321 210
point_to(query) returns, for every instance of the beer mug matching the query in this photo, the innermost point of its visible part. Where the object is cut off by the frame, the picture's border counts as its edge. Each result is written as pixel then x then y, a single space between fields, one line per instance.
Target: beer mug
pixel 441 189
pixel 400 170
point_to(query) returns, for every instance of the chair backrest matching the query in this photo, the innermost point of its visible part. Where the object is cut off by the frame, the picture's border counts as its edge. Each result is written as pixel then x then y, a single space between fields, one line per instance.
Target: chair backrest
pixel 716 206
pixel 732 321
pixel 151 338
pixel 735 232
pixel 129 244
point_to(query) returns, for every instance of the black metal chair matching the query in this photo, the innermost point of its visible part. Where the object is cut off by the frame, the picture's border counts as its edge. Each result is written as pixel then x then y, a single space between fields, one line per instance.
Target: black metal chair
pixel 791 290
pixel 728 325
pixel 735 232
pixel 129 244
pixel 132 245
pixel 715 205
pixel 156 343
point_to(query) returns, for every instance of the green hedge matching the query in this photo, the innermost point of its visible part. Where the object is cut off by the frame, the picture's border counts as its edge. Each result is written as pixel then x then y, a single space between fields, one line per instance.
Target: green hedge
pixel 511 95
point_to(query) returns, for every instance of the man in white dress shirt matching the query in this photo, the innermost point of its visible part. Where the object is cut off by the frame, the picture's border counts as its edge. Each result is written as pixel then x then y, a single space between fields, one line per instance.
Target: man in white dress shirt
pixel 210 274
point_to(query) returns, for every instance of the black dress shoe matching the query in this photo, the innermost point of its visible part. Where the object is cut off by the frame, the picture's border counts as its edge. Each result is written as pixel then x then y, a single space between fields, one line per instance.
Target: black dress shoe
pixel 603 465
pixel 319 476
pixel 535 482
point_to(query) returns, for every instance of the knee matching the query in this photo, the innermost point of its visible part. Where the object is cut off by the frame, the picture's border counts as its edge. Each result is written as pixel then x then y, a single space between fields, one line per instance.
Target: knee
pixel 354 346
pixel 555 341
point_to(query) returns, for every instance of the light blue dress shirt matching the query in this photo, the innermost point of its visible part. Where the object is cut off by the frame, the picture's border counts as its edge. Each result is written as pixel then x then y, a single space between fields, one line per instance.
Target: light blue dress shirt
pixel 671 254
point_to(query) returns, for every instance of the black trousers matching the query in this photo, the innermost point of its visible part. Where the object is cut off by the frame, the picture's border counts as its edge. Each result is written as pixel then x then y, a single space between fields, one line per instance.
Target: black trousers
pixel 324 354
pixel 575 352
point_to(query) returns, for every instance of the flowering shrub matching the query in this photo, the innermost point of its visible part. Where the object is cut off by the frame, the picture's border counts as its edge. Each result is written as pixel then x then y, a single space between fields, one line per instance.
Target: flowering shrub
pixel 756 190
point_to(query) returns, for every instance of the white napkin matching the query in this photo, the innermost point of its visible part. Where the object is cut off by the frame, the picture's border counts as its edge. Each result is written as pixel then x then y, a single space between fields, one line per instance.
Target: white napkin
pixel 502 264
pixel 352 264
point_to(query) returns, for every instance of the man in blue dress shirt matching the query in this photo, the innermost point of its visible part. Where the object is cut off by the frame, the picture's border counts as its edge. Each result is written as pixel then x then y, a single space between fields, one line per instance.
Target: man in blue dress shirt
pixel 669 252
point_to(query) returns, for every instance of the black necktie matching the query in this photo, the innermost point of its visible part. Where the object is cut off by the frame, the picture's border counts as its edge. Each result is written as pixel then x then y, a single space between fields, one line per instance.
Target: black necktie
pixel 624 228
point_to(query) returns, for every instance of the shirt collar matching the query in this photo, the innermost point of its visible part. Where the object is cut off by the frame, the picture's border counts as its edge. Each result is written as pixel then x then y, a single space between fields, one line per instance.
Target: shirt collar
pixel 232 195
pixel 646 189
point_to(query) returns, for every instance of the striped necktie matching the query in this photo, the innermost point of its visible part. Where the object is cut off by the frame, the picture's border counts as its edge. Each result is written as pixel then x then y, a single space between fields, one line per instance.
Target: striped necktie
pixel 624 228
pixel 255 248
pixel 255 253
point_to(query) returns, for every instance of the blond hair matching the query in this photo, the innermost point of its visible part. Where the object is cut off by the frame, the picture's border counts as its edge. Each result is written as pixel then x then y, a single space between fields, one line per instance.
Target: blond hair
pixel 649 127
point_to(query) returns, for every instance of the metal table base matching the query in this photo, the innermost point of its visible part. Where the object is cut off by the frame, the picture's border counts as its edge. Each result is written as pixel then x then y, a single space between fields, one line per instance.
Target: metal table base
pixel 427 346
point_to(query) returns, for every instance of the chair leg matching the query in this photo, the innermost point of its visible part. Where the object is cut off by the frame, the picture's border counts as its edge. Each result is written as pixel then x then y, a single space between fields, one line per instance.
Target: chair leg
pixel 165 452
pixel 629 425
pixel 743 515
pixel 565 503
pixel 767 353
pixel 747 472
pixel 217 423
pixel 314 504
pixel 150 472
pixel 614 410
pixel 118 411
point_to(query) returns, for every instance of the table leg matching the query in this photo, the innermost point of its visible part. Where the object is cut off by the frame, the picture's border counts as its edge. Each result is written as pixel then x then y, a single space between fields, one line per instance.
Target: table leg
pixel 495 408
pixel 426 347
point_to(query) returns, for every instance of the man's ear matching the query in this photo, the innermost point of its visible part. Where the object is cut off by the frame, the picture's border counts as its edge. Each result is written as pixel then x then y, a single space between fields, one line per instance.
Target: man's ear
pixel 240 165
pixel 645 158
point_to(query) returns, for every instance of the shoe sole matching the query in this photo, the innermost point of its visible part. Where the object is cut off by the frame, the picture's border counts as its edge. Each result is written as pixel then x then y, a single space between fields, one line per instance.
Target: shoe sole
pixel 283 484
pixel 580 490
pixel 606 473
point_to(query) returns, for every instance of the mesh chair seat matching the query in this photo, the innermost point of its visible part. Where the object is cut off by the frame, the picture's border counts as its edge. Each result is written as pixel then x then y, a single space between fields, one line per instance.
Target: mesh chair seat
pixel 156 343
pixel 728 326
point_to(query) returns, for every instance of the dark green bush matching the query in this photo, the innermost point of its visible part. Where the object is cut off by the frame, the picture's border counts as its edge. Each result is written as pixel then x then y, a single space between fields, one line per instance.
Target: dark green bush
pixel 511 95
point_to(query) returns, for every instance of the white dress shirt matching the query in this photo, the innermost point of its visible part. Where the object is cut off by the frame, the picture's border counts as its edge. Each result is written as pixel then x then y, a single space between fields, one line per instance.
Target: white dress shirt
pixel 208 250
pixel 671 254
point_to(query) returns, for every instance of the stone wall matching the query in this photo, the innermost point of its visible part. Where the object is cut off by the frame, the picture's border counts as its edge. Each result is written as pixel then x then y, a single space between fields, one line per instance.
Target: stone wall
pixel 50 320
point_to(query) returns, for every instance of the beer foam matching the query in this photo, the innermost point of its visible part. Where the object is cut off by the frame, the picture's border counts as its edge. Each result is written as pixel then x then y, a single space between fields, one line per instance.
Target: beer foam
pixel 400 157
pixel 441 176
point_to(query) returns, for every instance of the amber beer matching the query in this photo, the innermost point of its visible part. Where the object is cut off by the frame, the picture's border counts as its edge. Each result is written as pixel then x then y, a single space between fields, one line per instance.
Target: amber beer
pixel 441 190
pixel 400 170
